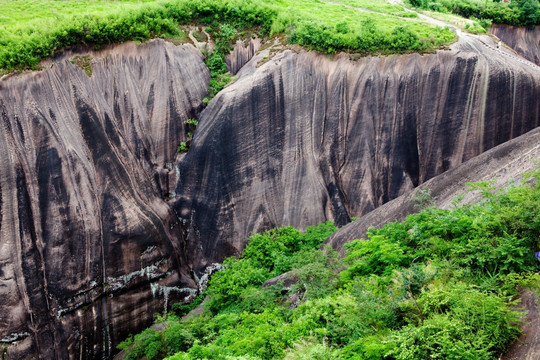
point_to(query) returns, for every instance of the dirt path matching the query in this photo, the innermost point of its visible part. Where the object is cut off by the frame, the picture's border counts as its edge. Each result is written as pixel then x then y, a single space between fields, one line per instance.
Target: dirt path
pixel 527 347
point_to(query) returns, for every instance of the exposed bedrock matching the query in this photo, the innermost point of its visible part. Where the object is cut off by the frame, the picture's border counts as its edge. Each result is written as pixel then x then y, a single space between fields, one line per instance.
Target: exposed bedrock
pixel 303 139
pixel 89 249
pixel 525 41
pixel 503 164
pixel 241 54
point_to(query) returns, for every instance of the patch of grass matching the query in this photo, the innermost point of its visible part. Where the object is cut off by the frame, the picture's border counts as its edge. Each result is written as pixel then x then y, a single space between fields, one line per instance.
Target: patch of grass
pixel 380 6
pixel 177 39
pixel 84 62
pixel 31 30
pixel 518 12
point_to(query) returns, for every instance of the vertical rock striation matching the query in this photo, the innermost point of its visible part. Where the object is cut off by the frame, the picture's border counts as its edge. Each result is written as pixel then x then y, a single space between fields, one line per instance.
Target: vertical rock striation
pixel 304 139
pixel 503 164
pixel 241 54
pixel 89 249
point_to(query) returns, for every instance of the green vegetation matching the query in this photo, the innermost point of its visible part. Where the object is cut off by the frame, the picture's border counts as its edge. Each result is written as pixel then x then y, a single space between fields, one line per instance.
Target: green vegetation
pixel 225 35
pixel 191 126
pixel 516 12
pixel 84 62
pixel 32 30
pixel 440 285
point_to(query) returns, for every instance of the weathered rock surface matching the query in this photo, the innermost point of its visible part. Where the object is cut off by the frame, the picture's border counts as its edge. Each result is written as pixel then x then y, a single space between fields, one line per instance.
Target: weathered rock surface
pixel 526 41
pixel 502 164
pixel 241 54
pixel 304 139
pixel 89 249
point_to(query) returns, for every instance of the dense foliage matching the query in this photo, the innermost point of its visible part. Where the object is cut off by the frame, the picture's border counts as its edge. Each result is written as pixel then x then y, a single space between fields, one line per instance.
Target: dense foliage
pixel 31 30
pixel 438 285
pixel 516 12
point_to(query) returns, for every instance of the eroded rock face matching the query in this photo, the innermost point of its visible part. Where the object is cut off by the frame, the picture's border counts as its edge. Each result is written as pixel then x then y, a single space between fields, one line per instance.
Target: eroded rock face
pixel 89 249
pixel 304 139
pixel 526 41
pixel 241 54
pixel 503 164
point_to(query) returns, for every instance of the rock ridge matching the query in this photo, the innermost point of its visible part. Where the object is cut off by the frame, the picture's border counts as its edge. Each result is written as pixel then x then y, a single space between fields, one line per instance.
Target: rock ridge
pixel 303 139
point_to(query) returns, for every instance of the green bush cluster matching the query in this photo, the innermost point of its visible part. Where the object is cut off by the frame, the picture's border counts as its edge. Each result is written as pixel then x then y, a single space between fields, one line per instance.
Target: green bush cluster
pixel 438 285
pixel 152 344
pixel 267 255
pixel 370 39
pixel 224 35
pixel 517 12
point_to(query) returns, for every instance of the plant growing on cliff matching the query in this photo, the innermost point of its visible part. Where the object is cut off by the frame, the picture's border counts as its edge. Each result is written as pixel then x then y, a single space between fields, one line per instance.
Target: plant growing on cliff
pixel 224 34
pixel 84 62
pixel 183 147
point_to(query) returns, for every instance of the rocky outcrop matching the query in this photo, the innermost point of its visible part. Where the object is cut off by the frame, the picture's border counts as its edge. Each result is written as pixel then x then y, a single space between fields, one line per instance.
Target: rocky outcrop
pixel 304 139
pixel 89 248
pixel 503 164
pixel 102 224
pixel 525 41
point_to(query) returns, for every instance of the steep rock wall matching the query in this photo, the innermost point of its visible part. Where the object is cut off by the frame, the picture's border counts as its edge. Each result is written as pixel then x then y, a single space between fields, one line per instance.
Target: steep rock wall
pixel 503 164
pixel 525 41
pixel 241 54
pixel 89 249
pixel 303 139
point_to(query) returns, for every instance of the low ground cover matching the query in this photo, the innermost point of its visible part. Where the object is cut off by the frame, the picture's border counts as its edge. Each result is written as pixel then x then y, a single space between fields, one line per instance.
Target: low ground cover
pixel 442 284
pixel 31 30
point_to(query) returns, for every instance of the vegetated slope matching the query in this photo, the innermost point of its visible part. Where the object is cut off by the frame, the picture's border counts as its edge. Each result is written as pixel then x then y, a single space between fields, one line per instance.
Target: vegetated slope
pixel 303 139
pixel 526 41
pixel 440 285
pixel 89 249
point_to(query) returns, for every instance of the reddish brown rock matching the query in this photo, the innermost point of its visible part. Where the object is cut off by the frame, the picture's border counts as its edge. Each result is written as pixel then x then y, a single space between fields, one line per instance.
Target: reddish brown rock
pixel 89 249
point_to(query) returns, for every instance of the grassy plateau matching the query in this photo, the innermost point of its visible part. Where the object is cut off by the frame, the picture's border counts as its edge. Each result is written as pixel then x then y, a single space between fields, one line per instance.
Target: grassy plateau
pixel 31 30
